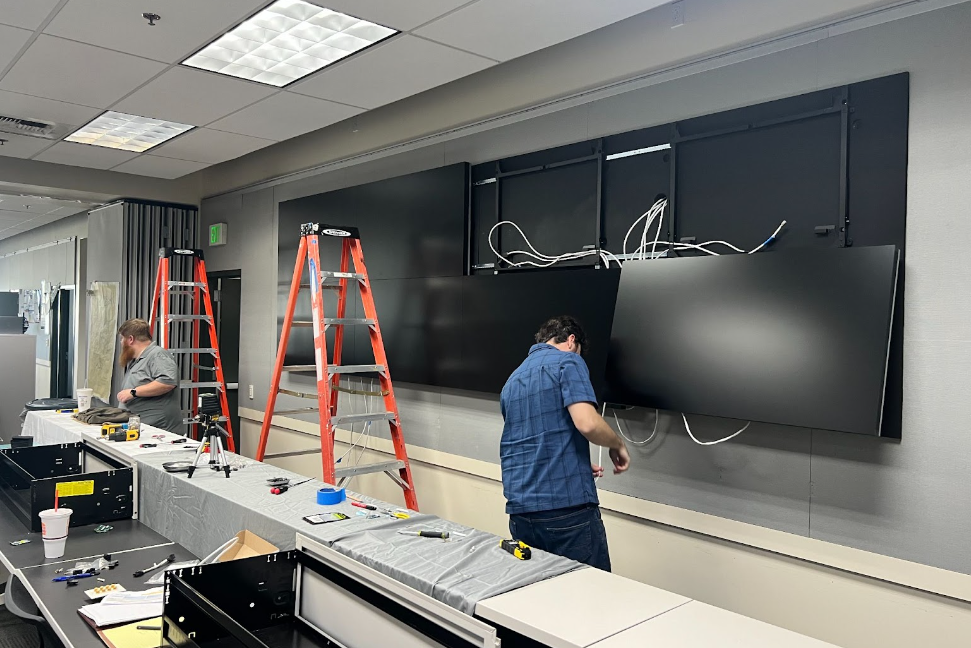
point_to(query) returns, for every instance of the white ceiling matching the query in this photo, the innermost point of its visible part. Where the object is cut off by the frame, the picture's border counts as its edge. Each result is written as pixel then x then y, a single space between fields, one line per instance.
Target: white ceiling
pixel 69 61
pixel 18 213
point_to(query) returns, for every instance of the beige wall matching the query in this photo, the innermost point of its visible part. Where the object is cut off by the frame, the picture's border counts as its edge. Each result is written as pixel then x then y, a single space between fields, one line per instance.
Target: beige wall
pixel 829 604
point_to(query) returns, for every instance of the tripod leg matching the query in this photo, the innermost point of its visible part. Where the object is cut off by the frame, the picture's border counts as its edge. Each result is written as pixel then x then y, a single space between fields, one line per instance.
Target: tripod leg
pixel 195 463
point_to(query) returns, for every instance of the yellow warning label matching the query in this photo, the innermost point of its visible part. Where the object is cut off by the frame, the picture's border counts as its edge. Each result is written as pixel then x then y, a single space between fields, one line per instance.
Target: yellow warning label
pixel 75 488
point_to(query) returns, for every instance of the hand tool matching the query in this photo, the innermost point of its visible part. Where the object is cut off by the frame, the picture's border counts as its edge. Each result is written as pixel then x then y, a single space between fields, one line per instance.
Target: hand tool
pixel 283 488
pixel 108 428
pixel 166 561
pixel 362 505
pixel 441 535
pixel 518 548
pixel 148 445
pixel 123 435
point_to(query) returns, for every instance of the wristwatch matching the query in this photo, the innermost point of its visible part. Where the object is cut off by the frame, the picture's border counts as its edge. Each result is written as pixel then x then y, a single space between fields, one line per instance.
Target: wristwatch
pixel 133 394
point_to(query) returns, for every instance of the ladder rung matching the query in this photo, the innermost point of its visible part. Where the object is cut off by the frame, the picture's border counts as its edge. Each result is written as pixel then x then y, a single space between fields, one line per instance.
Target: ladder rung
pixel 290 392
pixel 295 453
pixel 173 318
pixel 305 286
pixel 351 471
pixel 329 274
pixel 299 367
pixel 349 369
pixel 357 418
pixel 194 385
pixel 187 284
pixel 344 321
pixel 299 410
pixel 182 291
pixel 193 350
pixel 203 367
pixel 301 324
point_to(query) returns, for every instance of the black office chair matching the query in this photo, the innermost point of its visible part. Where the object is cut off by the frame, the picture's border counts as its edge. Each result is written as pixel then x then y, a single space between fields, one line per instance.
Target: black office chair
pixel 19 603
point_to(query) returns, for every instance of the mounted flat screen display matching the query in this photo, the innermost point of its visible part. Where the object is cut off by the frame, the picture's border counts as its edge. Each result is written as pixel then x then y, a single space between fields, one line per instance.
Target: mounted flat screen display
pixel 796 338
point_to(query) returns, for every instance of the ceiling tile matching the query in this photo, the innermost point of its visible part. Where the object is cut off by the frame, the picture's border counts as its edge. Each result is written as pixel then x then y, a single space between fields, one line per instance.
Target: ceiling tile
pixel 22 147
pixel 83 74
pixel 14 104
pixel 400 15
pixel 184 26
pixel 25 13
pixel 84 155
pixel 402 67
pixel 192 97
pixel 285 115
pixel 210 146
pixel 506 29
pixel 159 167
pixel 11 40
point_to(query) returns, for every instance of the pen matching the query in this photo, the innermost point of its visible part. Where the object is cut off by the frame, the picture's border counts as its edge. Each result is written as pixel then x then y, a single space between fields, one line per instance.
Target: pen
pixel 148 627
pixel 61 579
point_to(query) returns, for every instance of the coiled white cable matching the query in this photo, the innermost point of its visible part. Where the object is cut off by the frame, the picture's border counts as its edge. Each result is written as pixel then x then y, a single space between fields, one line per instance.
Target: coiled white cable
pixel 715 442
pixel 657 416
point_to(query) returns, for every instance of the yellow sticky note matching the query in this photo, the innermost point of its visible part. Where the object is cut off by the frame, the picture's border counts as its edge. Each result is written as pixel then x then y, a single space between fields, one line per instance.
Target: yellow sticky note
pixel 75 488
pixel 129 636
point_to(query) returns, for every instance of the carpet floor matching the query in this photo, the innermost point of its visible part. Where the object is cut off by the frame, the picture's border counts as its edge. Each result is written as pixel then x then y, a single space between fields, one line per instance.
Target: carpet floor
pixel 14 633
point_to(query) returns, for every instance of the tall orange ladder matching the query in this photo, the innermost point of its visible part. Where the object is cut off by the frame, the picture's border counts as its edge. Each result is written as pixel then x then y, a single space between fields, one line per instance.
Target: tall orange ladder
pixel 198 292
pixel 329 374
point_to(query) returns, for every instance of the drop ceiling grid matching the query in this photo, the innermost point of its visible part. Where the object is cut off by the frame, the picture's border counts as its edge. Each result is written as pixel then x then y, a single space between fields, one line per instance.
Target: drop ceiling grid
pixel 147 73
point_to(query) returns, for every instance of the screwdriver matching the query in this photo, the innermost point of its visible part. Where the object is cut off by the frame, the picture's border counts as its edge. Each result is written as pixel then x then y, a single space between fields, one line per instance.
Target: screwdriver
pixel 441 535
pixel 283 488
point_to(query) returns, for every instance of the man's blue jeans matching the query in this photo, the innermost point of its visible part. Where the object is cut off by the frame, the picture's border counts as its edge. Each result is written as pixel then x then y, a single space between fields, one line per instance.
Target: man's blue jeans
pixel 576 533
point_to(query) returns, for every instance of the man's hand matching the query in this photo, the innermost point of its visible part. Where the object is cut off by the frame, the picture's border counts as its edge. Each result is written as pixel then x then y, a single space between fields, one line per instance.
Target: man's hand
pixel 124 396
pixel 620 458
pixel 598 471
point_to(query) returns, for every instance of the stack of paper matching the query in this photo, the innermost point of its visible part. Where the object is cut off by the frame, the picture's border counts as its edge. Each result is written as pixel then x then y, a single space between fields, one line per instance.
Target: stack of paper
pixel 123 607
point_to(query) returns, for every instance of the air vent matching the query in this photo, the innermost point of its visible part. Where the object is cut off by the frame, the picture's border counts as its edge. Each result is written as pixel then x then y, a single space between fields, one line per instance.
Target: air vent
pixel 28 127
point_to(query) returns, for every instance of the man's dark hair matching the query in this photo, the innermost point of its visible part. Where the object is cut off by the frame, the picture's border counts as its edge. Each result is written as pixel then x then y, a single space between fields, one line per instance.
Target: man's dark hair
pixel 559 329
pixel 136 328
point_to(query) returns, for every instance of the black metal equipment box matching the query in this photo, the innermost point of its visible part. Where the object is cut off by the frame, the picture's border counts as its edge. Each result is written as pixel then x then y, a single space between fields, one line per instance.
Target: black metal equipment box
pixel 95 486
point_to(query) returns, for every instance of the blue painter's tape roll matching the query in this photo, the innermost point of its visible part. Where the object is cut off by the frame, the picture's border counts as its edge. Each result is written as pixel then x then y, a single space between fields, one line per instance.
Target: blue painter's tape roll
pixel 329 496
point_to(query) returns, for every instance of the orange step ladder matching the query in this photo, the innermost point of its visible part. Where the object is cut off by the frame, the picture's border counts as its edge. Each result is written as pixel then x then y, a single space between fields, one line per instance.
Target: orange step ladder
pixel 165 290
pixel 329 374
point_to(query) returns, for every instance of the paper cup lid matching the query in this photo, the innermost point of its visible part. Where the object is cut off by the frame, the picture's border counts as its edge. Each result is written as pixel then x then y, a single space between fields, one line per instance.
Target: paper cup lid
pixel 61 512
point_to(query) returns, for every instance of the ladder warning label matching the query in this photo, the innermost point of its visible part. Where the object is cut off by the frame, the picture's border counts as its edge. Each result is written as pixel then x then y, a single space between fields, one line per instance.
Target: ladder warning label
pixel 75 488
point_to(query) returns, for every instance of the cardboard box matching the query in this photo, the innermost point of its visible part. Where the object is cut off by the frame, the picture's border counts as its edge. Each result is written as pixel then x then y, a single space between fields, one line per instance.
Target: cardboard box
pixel 247 544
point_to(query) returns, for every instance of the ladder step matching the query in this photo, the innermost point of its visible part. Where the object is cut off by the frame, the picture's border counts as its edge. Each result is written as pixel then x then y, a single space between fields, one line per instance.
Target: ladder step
pixel 299 367
pixel 329 274
pixel 187 284
pixel 343 321
pixel 295 453
pixel 186 318
pixel 306 286
pixel 193 350
pixel 350 369
pixel 188 384
pixel 299 410
pixel 182 291
pixel 351 471
pixel 357 418
pixel 202 367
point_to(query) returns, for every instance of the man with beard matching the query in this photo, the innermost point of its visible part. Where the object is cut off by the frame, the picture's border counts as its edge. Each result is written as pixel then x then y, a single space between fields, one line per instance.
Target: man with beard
pixel 151 378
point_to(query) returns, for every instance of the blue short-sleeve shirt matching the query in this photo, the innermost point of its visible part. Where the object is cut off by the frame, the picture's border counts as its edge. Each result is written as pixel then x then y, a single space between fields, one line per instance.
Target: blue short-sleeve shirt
pixel 545 460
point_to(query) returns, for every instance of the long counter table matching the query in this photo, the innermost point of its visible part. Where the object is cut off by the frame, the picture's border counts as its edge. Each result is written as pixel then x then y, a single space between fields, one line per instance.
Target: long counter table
pixel 547 599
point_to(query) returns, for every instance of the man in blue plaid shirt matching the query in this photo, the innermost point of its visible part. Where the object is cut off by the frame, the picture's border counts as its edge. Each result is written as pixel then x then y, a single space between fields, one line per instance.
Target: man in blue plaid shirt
pixel 550 414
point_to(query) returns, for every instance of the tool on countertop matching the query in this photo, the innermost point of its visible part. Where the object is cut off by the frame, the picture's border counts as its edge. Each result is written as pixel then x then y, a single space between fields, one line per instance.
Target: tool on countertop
pixel 103 528
pixel 441 535
pixel 283 488
pixel 71 577
pixel 518 548
pixel 166 561
pixel 17 543
pixel 317 518
pixel 360 504
pixel 108 428
pixel 148 445
pixel 396 514
pixel 66 411
pixel 124 434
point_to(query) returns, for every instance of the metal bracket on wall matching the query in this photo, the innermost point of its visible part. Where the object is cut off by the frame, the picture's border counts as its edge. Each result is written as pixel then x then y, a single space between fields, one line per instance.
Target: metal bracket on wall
pixel 844 218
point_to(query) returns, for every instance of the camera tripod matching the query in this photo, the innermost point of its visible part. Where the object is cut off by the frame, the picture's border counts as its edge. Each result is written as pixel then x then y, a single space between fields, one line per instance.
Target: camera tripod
pixel 212 434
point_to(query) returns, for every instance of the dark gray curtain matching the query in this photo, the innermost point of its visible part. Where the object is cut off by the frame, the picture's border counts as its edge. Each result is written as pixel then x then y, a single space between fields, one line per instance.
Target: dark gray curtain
pixel 148 227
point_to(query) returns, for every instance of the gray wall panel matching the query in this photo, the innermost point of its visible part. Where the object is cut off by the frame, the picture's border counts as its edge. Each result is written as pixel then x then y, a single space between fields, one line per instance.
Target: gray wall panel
pixel 901 499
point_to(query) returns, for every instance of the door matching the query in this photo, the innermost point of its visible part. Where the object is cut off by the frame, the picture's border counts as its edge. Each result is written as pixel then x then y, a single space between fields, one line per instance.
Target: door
pixel 62 344
pixel 226 294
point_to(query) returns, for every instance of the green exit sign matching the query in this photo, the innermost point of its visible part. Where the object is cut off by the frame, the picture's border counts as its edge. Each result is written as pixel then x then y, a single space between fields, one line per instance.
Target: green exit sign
pixel 217 234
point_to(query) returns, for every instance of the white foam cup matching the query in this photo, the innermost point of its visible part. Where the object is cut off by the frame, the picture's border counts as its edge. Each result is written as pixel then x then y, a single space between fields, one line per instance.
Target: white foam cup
pixel 84 399
pixel 54 525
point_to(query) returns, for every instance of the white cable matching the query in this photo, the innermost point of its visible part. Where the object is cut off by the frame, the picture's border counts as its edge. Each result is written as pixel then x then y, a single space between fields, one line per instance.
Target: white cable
pixel 770 239
pixel 717 441
pixel 631 441
pixel 649 213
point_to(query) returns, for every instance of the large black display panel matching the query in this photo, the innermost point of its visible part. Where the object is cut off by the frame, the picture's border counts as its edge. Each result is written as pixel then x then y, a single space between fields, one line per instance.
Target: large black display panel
pixel 795 338
pixel 411 226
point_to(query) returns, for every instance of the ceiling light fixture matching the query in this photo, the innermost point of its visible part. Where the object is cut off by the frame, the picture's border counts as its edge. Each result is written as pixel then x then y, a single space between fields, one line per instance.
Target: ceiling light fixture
pixel 126 132
pixel 287 41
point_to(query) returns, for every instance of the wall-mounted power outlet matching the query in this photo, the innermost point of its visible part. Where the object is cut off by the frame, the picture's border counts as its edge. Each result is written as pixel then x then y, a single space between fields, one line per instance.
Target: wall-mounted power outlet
pixel 251 392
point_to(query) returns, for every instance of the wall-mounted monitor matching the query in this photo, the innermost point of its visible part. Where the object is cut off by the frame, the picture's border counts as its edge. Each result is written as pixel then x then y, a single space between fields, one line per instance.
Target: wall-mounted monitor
pixel 797 338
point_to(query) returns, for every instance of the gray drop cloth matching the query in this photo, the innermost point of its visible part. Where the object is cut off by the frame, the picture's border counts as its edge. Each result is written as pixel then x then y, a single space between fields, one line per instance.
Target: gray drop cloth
pixel 203 512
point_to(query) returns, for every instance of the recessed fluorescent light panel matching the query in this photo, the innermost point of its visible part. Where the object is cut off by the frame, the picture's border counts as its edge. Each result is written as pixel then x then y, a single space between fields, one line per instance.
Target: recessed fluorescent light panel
pixel 287 41
pixel 649 149
pixel 127 132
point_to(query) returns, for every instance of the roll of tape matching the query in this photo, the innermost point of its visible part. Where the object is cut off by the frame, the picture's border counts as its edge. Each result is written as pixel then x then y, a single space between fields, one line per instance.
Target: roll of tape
pixel 329 496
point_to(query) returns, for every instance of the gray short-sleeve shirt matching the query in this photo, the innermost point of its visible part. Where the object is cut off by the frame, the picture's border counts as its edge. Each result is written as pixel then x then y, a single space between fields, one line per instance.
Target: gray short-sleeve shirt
pixel 163 411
